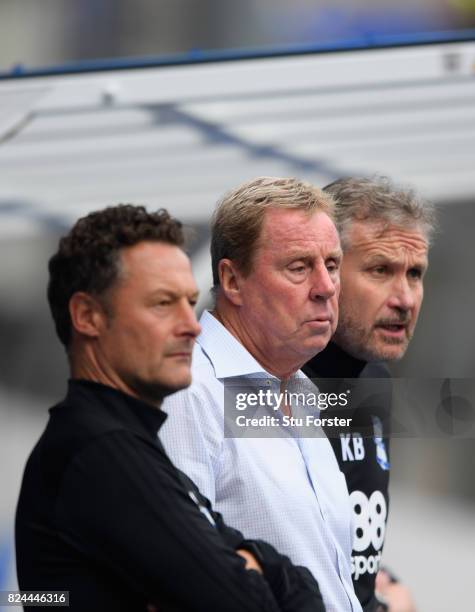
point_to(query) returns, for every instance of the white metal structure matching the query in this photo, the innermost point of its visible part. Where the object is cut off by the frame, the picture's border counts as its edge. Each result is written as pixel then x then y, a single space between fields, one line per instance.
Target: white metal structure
pixel 179 136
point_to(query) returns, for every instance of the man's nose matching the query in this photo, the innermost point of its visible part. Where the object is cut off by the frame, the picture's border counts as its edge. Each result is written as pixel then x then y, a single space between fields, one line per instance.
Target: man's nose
pixel 323 285
pixel 402 294
pixel 188 322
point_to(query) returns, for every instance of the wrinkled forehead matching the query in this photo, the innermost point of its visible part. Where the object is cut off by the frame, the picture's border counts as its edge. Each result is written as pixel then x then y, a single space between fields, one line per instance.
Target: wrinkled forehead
pixel 388 239
pixel 282 227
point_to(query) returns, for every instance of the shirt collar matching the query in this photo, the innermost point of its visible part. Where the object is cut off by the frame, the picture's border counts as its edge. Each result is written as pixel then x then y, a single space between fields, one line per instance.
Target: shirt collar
pixel 228 356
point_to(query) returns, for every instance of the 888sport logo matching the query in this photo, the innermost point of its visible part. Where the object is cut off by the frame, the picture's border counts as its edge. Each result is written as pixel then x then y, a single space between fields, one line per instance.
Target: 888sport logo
pixel 369 516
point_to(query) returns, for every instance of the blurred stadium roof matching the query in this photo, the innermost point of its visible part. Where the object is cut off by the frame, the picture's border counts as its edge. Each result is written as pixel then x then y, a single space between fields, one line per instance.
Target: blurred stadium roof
pixel 179 135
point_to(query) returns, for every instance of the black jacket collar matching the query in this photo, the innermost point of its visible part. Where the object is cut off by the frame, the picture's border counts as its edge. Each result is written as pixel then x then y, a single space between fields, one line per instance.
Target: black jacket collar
pixel 333 362
pixel 104 400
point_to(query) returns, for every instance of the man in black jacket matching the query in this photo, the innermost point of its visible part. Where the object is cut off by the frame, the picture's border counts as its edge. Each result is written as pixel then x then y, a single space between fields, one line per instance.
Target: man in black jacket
pixel 385 233
pixel 103 513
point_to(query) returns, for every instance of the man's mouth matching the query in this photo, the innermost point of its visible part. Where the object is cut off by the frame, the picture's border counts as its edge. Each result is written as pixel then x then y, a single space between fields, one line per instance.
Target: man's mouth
pixel 182 352
pixel 324 318
pixel 395 330
pixel 319 324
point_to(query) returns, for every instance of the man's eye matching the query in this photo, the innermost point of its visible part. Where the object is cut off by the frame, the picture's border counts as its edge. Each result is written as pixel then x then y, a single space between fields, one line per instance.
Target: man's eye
pixel 192 302
pixel 415 273
pixel 164 303
pixel 298 269
pixel 332 266
pixel 379 270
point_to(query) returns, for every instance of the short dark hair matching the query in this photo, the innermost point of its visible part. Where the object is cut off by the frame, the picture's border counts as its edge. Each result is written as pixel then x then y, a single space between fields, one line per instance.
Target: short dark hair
pixel 88 257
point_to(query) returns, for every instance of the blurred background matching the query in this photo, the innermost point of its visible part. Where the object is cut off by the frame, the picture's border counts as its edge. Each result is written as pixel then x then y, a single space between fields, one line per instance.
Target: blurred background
pixel 366 100
pixel 51 32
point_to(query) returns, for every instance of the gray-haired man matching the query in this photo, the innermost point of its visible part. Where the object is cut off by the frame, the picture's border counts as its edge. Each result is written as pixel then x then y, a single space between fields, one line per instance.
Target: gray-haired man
pixel 385 233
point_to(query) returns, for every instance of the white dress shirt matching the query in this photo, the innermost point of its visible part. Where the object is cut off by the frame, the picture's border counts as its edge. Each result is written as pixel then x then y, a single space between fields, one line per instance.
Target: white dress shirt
pixel 288 491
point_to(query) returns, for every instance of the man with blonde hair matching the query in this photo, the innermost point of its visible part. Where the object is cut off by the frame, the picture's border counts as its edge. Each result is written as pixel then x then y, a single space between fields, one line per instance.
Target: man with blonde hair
pixel 275 258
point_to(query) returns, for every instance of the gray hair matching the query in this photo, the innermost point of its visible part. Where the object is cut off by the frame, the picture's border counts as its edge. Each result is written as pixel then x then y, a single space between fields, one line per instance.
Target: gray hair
pixel 378 199
pixel 237 221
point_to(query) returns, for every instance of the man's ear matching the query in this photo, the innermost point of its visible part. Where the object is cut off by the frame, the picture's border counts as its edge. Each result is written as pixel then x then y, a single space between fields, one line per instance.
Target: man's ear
pixel 88 316
pixel 230 281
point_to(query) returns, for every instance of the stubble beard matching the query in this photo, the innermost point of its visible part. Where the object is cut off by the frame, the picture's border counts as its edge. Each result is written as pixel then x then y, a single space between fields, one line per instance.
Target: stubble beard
pixel 362 344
